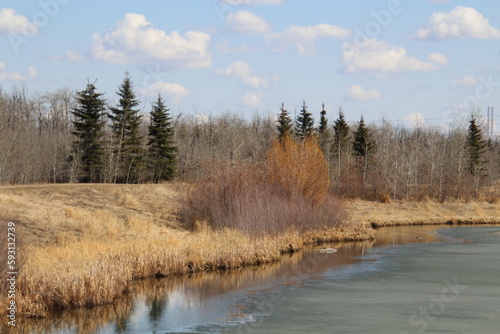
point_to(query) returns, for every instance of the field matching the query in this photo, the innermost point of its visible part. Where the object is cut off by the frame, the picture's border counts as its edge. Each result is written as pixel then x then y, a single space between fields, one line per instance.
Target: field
pixel 84 244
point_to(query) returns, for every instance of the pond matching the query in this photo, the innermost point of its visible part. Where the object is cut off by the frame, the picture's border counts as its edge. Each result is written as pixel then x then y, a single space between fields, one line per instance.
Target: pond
pixel 411 279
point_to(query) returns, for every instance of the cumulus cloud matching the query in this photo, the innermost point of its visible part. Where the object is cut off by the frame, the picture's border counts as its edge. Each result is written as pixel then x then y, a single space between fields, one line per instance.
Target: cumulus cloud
pixel 251 99
pixel 246 22
pixel 381 57
pixel 356 92
pixel 14 76
pixel 241 70
pixel 466 81
pixel 14 24
pixel 461 22
pixel 136 41
pixel 172 91
pixel 251 2
pixel 304 37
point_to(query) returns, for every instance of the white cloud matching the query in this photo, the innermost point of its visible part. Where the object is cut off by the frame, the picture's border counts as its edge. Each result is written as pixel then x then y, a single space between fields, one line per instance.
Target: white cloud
pixel 252 99
pixel 14 76
pixel 381 57
pixel 466 81
pixel 14 24
pixel 246 22
pixel 415 119
pixel 135 41
pixel 74 56
pixel 356 92
pixel 461 22
pixel 172 91
pixel 304 37
pixel 252 2
pixel 241 70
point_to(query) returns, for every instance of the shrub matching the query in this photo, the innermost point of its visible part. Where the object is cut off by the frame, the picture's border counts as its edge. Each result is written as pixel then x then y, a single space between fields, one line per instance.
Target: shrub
pixel 286 192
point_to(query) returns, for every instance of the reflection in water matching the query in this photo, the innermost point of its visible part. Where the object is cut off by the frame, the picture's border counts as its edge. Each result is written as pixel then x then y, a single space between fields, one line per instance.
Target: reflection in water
pixel 181 303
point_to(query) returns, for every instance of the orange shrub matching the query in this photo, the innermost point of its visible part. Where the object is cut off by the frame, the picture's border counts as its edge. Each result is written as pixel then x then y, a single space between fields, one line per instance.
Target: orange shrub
pixel 299 168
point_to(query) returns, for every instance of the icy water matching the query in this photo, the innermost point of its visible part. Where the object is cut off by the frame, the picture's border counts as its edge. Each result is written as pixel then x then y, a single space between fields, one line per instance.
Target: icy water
pixel 446 282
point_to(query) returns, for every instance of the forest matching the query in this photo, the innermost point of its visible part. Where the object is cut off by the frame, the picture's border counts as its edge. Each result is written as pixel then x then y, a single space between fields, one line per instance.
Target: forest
pixel 69 137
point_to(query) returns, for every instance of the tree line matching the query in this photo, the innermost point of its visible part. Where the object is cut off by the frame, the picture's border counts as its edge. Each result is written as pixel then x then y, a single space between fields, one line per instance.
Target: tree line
pixel 66 136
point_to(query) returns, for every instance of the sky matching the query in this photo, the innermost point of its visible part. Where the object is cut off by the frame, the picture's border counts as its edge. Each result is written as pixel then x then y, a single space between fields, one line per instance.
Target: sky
pixel 407 61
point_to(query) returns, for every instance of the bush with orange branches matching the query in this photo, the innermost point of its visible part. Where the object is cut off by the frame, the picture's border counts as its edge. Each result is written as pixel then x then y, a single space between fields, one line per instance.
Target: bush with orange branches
pixel 286 192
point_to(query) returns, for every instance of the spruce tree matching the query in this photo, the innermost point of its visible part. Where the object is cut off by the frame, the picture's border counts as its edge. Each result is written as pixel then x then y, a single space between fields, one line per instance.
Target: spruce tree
pixel 363 149
pixel 126 121
pixel 88 130
pixel 304 125
pixel 341 146
pixel 362 145
pixel 324 136
pixel 476 149
pixel 341 139
pixel 162 150
pixel 284 123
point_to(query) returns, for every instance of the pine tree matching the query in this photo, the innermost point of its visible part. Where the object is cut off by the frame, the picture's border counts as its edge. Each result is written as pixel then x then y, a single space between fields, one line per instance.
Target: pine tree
pixel 363 149
pixel 162 151
pixel 304 125
pixel 284 123
pixel 88 129
pixel 126 121
pixel 324 136
pixel 476 149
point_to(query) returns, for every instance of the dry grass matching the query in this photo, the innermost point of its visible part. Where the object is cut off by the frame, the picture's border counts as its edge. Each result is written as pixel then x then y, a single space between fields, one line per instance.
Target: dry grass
pixel 85 244
pixel 423 213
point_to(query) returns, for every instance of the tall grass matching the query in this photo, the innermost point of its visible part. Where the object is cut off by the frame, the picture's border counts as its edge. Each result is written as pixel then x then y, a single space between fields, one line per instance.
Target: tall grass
pixel 286 192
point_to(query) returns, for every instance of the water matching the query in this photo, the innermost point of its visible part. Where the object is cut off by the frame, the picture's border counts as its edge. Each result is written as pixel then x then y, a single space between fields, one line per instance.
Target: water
pixel 448 281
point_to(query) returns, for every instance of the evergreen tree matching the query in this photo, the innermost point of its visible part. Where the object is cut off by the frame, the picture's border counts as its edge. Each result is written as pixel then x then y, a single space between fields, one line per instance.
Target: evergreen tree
pixel 362 145
pixel 88 129
pixel 476 149
pixel 126 121
pixel 324 136
pixel 284 123
pixel 162 151
pixel 341 139
pixel 304 125
pixel 340 147
pixel 363 149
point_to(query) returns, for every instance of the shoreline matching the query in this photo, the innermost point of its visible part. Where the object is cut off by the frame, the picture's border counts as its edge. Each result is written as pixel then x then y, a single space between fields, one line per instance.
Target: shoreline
pixel 142 239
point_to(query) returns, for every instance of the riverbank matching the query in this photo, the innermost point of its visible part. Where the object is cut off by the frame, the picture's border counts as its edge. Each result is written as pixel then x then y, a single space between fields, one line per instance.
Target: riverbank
pixel 84 244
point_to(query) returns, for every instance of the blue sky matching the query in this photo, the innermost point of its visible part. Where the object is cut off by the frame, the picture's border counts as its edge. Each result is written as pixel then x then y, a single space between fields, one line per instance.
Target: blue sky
pixel 404 60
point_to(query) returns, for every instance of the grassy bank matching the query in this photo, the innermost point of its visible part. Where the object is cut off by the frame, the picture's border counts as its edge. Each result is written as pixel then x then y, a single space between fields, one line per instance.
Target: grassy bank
pixel 400 213
pixel 84 244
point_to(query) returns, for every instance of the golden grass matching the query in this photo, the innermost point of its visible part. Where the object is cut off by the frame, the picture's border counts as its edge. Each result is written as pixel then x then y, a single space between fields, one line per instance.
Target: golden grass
pixel 400 213
pixel 85 244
